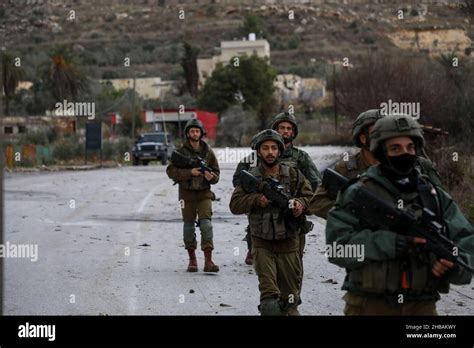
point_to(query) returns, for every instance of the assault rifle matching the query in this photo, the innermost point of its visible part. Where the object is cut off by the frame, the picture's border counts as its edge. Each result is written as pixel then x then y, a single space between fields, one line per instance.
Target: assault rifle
pixel 182 161
pixel 415 222
pixel 278 197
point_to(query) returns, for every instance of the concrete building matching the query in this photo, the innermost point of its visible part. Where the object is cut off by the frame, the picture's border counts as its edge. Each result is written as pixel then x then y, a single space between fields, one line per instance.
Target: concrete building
pixel 291 88
pixel 14 126
pixel 147 87
pixel 230 49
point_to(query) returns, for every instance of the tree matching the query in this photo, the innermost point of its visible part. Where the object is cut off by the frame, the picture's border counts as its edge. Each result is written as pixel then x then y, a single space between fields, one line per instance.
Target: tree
pixel 129 112
pixel 62 75
pixel 249 83
pixel 234 124
pixel 443 92
pixel 189 64
pixel 469 7
pixel 251 24
pixel 11 76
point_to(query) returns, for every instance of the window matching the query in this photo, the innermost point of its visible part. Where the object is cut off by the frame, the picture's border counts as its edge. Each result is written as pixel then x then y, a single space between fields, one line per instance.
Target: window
pixel 8 130
pixel 21 129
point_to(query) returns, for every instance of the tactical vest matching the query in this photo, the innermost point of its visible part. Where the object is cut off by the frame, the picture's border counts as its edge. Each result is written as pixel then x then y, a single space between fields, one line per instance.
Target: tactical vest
pixel 266 223
pixel 352 167
pixel 411 276
pixel 196 183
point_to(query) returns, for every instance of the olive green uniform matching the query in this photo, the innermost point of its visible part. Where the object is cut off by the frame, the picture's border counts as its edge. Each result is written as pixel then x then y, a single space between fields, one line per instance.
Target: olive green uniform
pixel 276 249
pixel 295 158
pixel 196 195
pixel 355 165
pixel 322 202
pixel 374 285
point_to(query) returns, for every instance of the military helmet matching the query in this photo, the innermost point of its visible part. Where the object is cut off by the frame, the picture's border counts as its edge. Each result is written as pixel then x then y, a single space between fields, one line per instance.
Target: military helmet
pixel 253 141
pixel 194 123
pixel 364 120
pixel 268 134
pixel 396 126
pixel 285 117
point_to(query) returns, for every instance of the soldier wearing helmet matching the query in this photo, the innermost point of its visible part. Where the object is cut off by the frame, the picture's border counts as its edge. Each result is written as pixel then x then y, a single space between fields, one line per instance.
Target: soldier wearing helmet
pixel 396 275
pixel 196 195
pixel 275 248
pixel 351 166
pixel 285 124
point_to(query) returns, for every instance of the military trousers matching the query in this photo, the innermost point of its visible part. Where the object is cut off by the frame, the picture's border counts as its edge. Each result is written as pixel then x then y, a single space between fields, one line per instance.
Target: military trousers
pixel 202 210
pixel 279 275
pixel 364 305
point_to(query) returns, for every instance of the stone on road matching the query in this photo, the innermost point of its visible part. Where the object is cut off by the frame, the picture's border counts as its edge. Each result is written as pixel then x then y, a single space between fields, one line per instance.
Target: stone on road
pixel 110 242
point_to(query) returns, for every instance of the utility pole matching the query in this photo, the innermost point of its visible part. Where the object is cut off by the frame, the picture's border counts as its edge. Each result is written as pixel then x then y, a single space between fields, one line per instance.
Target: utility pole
pixel 133 108
pixel 2 273
pixel 164 124
pixel 179 126
pixel 334 90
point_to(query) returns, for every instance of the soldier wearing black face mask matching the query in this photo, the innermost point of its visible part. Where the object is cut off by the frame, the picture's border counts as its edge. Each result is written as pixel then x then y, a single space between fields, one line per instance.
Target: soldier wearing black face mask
pixel 397 275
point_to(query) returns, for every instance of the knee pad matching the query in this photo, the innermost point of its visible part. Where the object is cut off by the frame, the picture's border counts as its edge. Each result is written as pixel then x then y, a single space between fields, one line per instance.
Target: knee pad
pixel 188 231
pixel 206 229
pixel 270 306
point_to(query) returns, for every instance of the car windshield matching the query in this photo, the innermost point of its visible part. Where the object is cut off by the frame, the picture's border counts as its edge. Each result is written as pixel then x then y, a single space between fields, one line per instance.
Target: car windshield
pixel 152 138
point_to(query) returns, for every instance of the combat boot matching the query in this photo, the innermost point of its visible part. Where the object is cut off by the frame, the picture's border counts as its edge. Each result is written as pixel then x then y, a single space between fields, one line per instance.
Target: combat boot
pixel 209 266
pixel 293 311
pixel 249 258
pixel 192 266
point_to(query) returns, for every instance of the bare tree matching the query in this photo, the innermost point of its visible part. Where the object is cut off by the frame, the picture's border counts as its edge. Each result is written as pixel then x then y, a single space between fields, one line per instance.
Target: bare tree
pixel 234 124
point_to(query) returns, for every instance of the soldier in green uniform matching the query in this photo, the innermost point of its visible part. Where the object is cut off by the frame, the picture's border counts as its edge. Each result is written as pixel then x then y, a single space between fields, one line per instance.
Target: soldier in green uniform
pixel 285 124
pixel 397 275
pixel 275 247
pixel 354 165
pixel 195 195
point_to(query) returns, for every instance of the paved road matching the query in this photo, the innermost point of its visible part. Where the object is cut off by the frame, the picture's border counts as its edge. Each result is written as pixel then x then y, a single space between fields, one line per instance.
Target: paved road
pixel 110 241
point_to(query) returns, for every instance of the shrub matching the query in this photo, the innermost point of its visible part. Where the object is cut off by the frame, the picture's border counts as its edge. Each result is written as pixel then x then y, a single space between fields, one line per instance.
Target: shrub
pixel 124 145
pixel 109 150
pixel 67 148
pixel 39 137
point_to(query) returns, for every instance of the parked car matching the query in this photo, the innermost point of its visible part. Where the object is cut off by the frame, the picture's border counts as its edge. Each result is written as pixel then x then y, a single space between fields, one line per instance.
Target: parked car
pixel 152 146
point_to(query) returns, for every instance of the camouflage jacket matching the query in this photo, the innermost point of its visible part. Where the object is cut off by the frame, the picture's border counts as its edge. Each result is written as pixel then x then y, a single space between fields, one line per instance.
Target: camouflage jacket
pixel 292 157
pixel 352 168
pixel 242 202
pixel 379 272
pixel 195 188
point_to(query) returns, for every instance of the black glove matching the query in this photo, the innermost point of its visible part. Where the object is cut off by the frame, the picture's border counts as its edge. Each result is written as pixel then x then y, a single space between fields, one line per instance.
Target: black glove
pixel 403 246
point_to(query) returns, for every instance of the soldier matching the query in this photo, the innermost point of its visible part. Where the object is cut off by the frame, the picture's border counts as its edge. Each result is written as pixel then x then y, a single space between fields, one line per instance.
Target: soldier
pixel 357 164
pixel 275 246
pixel 285 125
pixel 397 274
pixel 195 194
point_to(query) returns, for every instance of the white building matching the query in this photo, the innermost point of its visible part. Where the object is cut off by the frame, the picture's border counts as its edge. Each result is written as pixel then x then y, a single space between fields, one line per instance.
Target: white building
pixel 146 87
pixel 230 49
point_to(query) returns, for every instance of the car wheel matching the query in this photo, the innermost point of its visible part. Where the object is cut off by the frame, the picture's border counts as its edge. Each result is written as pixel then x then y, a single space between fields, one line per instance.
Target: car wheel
pixel 135 161
pixel 145 162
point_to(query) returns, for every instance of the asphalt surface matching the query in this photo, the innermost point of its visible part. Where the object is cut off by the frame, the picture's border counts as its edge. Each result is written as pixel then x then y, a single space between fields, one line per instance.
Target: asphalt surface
pixel 110 242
